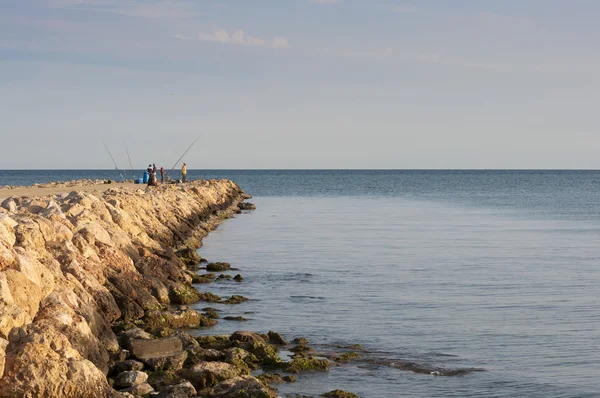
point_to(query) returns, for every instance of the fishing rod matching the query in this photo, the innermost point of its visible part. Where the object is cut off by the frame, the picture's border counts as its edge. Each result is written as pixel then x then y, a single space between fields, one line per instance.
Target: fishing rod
pixel 129 157
pixel 190 147
pixel 113 159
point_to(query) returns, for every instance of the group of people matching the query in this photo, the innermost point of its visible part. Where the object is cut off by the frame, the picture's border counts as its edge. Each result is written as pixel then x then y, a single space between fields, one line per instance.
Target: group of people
pixel 153 180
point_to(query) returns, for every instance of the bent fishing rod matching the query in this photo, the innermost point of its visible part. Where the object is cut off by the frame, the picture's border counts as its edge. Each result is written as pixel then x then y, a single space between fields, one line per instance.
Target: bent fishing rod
pixel 187 150
pixel 113 159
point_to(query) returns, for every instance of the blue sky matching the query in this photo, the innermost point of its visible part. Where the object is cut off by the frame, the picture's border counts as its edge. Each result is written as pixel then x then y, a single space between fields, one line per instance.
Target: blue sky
pixel 300 83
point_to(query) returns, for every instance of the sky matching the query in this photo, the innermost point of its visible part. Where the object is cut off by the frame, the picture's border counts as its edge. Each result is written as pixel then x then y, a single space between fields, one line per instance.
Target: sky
pixel 295 84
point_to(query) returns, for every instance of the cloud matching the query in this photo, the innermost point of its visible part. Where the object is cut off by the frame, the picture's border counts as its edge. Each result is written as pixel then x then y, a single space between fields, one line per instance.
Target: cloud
pixel 238 37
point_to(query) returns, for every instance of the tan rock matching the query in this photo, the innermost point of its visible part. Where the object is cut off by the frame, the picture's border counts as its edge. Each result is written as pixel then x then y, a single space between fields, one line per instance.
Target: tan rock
pixel 40 362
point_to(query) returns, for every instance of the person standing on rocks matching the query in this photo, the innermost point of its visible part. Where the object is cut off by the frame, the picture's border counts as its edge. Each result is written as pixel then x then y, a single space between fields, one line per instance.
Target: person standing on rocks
pixel 183 172
pixel 162 175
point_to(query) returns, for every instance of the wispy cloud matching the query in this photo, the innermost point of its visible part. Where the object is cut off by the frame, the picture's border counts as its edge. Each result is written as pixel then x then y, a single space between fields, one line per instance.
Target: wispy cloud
pixel 238 37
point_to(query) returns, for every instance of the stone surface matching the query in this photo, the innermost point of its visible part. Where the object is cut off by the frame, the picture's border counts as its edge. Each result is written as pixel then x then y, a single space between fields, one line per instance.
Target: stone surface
pixel 216 267
pixel 246 337
pixel 207 374
pixel 171 362
pixel 275 338
pixel 242 387
pixel 181 390
pixel 139 389
pixel 130 379
pixel 149 348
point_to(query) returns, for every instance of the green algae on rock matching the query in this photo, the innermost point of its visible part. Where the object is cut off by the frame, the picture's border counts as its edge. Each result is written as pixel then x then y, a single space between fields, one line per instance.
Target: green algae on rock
pixel 346 357
pixel 209 297
pixel 235 318
pixel 235 299
pixel 217 267
pixel 340 394
pixel 306 364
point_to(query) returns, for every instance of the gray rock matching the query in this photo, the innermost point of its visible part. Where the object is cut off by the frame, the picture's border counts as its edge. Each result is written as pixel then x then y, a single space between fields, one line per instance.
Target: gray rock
pixel 133 334
pixel 140 389
pixel 207 374
pixel 130 379
pixel 181 390
pixel 146 348
pixel 173 362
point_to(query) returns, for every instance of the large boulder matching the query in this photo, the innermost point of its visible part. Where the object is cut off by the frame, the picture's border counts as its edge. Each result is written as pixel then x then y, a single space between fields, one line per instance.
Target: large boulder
pixel 208 374
pixel 40 362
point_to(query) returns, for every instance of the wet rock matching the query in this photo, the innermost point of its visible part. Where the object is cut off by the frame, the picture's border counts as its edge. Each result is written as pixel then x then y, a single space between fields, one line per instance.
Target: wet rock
pixel 300 349
pixel 300 340
pixel 340 394
pixel 216 267
pixel 266 353
pixel 210 297
pixel 246 337
pixel 207 374
pixel 224 276
pixel 304 364
pixel 345 357
pixel 130 379
pixel 238 278
pixel 235 318
pixel 218 342
pixel 242 387
pixel 241 358
pixel 268 378
pixel 351 347
pixel 139 390
pixel 201 279
pixel 275 338
pixel 183 293
pixel 235 299
pixel 211 313
pixel 289 379
pixel 247 206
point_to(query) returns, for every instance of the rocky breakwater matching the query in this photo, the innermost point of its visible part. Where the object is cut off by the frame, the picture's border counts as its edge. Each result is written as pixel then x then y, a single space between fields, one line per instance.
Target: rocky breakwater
pixel 77 268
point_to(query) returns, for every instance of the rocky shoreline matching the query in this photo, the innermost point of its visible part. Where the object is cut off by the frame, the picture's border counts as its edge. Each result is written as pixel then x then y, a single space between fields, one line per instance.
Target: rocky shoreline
pixel 94 292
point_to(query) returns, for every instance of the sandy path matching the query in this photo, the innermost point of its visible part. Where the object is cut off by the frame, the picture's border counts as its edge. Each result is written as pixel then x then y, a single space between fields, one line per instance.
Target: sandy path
pixel 33 191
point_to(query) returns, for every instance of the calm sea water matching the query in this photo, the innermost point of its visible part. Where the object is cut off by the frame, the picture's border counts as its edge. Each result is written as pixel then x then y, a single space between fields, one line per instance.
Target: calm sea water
pixel 496 270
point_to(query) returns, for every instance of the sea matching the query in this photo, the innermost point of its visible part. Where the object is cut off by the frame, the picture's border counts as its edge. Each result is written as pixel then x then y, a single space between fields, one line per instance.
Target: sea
pixel 455 283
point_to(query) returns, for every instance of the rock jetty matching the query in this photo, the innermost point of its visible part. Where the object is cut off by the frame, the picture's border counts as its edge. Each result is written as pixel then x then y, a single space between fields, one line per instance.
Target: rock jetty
pixel 79 271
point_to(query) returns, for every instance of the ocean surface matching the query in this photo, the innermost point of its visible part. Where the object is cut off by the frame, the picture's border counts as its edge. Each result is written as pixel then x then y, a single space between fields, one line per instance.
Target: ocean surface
pixel 493 274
